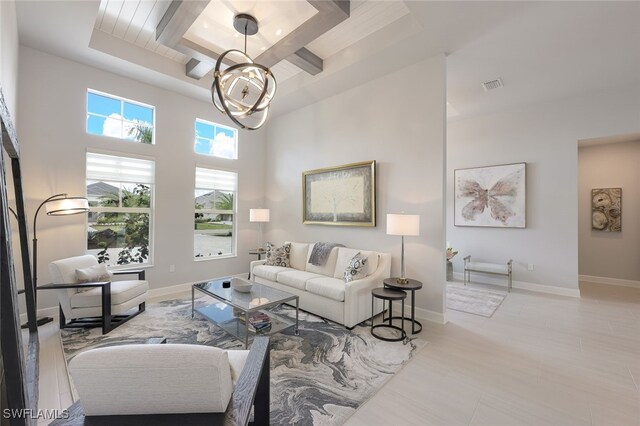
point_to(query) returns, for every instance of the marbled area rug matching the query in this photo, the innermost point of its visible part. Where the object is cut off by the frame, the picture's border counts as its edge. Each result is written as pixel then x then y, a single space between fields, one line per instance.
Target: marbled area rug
pixel 473 300
pixel 319 377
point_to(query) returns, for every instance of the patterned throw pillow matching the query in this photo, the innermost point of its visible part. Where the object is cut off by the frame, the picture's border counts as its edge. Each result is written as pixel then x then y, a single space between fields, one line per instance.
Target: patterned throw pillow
pixel 278 256
pixel 356 269
pixel 93 274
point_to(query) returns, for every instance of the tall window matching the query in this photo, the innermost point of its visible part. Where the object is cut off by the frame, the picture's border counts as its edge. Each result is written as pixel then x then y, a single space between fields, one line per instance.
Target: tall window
pixel 109 115
pixel 215 213
pixel 216 140
pixel 120 193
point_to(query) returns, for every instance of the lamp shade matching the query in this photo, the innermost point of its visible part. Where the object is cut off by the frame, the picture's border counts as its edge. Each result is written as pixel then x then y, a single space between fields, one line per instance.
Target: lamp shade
pixel 258 215
pixel 403 224
pixel 67 206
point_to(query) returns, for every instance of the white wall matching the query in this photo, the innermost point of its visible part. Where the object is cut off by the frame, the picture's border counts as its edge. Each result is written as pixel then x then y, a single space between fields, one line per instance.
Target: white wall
pixel 545 137
pixel 398 121
pixel 52 131
pixel 610 254
pixel 9 55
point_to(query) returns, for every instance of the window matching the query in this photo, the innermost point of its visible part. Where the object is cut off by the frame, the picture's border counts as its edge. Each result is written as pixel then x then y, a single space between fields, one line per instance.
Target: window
pixel 216 140
pixel 120 193
pixel 109 115
pixel 215 208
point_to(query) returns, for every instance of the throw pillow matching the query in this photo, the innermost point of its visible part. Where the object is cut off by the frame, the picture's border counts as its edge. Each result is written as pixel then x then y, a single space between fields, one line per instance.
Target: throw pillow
pixel 93 274
pixel 356 269
pixel 278 256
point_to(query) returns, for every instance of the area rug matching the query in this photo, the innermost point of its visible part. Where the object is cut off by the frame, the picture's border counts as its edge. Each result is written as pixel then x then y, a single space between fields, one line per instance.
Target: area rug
pixel 319 377
pixel 473 300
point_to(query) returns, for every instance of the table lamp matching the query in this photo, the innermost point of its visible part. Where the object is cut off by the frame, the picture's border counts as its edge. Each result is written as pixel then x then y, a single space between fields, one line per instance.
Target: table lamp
pixel 261 216
pixel 406 225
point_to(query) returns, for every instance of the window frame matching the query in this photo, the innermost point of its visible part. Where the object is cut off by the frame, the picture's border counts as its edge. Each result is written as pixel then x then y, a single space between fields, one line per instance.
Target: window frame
pixel 234 213
pixel 140 210
pixel 122 100
pixel 214 125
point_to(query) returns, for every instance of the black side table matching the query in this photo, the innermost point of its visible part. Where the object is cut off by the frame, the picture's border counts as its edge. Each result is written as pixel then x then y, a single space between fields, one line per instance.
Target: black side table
pixel 386 294
pixel 412 286
pixel 258 252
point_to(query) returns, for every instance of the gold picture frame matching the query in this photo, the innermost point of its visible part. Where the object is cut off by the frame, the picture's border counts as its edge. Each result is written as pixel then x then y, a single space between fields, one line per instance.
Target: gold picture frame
pixel 340 196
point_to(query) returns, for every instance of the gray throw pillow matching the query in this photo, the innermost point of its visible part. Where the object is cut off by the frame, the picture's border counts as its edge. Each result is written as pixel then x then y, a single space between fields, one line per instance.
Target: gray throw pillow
pixel 93 274
pixel 356 269
pixel 278 256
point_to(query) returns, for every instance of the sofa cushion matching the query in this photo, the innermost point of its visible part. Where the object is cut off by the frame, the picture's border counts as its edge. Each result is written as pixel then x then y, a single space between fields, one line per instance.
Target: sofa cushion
pixel 296 279
pixel 298 255
pixel 268 272
pixel 121 291
pixel 278 256
pixel 331 288
pixel 346 254
pixel 356 269
pixel 329 266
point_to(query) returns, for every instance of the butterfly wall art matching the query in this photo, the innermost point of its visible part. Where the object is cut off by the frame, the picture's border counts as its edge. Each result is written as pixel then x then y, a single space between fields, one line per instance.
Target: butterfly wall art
pixel 491 196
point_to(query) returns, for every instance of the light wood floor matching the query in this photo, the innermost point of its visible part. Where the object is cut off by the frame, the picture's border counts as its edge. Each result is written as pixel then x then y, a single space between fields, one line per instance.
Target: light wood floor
pixel 540 360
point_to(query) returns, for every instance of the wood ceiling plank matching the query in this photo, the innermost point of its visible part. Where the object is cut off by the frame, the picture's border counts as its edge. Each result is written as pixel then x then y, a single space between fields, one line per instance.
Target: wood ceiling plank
pixel 127 12
pixel 139 20
pixel 177 20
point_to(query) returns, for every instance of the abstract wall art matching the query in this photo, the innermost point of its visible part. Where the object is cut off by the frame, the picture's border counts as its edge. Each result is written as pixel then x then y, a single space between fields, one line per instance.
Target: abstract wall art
pixel 492 196
pixel 341 195
pixel 606 209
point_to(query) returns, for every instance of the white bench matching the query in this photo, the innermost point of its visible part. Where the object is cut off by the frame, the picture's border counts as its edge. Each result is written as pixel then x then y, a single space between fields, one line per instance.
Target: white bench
pixel 487 268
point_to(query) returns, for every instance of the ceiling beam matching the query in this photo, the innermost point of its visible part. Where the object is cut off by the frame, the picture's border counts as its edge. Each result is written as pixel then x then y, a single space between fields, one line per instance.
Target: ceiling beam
pixel 330 13
pixel 177 20
pixel 305 60
pixel 181 15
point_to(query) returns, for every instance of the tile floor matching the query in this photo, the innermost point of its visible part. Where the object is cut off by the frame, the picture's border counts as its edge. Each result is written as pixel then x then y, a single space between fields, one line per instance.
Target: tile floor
pixel 540 360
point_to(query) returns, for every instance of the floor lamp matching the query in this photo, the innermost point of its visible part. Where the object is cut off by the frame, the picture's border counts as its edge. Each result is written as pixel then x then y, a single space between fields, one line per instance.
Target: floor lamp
pixel 406 225
pixel 261 216
pixel 56 205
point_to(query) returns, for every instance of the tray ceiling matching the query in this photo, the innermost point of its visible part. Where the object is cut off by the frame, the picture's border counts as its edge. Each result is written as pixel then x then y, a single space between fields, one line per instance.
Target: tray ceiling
pixel 135 22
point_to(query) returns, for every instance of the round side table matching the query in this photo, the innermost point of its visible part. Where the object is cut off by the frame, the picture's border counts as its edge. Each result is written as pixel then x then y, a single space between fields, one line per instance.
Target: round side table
pixel 412 286
pixel 386 294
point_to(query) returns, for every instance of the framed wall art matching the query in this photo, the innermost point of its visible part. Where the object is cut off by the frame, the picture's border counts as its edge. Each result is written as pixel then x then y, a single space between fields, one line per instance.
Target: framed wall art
pixel 341 195
pixel 606 209
pixel 492 196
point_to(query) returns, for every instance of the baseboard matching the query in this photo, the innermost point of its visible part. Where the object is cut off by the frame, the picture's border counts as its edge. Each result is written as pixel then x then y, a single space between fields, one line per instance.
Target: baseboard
pixel 609 281
pixel 523 285
pixel 427 315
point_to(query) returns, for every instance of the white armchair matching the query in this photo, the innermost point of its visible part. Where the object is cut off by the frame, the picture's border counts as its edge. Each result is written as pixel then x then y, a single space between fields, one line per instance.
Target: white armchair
pixel 170 384
pixel 103 303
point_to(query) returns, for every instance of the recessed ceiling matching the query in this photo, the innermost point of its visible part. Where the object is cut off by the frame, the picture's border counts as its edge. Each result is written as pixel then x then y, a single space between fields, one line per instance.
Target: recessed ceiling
pixel 542 50
pixel 214 29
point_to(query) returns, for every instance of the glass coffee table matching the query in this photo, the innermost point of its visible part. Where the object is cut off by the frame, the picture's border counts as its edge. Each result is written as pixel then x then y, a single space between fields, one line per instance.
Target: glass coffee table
pixel 244 314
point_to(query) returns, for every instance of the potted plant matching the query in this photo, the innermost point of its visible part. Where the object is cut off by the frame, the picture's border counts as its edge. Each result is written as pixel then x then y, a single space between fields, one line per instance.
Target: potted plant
pixel 451 253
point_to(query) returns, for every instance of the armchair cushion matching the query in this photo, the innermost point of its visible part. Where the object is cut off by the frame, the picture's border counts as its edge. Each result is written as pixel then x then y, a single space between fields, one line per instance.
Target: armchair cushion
pixel 153 379
pixel 121 292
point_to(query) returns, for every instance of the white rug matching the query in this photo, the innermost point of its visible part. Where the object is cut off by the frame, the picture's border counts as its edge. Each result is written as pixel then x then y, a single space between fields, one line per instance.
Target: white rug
pixel 473 300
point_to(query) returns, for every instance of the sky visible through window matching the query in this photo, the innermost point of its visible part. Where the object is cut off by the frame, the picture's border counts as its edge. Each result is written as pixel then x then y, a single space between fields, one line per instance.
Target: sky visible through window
pixel 216 140
pixel 114 117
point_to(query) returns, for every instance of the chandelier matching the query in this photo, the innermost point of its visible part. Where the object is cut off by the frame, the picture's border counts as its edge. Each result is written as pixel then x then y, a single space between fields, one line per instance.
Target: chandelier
pixel 244 90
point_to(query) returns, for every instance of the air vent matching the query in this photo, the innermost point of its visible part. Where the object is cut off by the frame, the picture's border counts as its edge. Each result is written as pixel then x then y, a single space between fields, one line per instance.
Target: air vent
pixel 493 84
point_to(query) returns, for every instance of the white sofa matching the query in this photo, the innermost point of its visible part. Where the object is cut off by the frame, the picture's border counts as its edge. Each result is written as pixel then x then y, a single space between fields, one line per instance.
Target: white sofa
pixel 321 289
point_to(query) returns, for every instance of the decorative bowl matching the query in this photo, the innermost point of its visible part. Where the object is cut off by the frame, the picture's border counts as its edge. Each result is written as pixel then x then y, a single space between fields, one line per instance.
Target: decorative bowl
pixel 241 285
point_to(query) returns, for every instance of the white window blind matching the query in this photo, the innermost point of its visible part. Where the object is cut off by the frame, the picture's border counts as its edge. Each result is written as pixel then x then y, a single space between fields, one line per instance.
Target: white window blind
pixel 110 168
pixel 216 179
